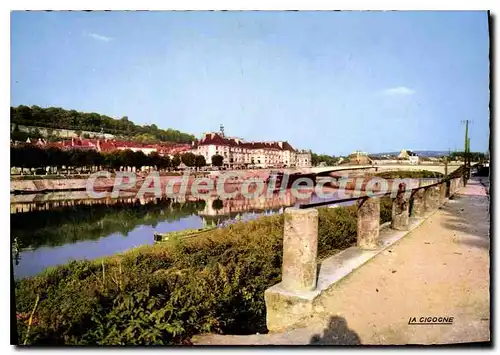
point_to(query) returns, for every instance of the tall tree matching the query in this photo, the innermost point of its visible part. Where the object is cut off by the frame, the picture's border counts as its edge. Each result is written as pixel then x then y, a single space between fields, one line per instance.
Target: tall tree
pixel 176 161
pixel 113 160
pixel 189 159
pixel 199 161
pixel 140 159
pixel 164 162
pixel 55 157
pixel 217 160
pixel 154 159
pixel 128 158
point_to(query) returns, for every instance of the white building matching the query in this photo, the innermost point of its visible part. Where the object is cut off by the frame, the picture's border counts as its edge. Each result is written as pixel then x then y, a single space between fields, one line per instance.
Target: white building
pixel 411 156
pixel 303 159
pixel 238 153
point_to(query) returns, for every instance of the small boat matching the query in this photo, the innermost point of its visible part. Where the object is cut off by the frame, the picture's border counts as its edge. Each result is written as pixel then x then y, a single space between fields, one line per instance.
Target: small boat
pixel 186 233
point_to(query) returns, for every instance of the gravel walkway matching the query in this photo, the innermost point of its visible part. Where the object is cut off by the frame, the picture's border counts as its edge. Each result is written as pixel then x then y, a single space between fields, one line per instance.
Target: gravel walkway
pixel 441 269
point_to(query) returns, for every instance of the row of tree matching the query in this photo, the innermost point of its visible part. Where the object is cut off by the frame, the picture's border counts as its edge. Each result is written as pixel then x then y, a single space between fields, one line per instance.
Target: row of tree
pixel 30 156
pixel 473 156
pixel 58 118
pixel 317 159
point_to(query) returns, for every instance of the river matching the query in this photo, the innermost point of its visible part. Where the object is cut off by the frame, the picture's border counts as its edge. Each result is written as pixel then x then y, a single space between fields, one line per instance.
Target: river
pixel 51 233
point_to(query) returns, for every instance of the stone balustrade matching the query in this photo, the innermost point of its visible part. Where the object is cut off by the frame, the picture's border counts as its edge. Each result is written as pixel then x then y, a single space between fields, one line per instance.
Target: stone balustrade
pixel 293 298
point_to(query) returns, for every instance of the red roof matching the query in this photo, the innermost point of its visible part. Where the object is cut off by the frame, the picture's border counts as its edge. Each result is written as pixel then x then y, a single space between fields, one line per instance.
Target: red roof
pixel 216 139
pixel 174 149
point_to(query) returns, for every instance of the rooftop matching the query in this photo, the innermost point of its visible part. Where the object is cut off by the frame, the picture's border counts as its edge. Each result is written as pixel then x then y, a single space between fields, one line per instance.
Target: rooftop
pixel 213 138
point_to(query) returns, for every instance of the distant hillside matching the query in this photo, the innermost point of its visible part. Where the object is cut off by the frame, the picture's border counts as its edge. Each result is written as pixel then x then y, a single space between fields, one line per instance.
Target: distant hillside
pixel 422 153
pixel 432 153
pixel 58 118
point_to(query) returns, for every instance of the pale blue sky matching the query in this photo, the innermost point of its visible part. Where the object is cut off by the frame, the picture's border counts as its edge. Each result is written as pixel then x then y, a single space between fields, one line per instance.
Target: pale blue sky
pixel 333 82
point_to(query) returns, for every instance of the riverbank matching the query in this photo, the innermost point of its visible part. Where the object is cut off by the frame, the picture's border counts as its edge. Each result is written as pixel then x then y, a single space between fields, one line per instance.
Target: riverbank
pixel 352 181
pixel 363 181
pixel 40 185
pixel 164 294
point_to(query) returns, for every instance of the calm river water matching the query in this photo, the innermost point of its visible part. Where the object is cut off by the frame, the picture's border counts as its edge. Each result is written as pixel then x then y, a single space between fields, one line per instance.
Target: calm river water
pixel 51 235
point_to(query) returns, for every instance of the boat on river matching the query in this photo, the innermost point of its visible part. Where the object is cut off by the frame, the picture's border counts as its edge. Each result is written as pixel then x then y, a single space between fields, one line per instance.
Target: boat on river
pixel 186 233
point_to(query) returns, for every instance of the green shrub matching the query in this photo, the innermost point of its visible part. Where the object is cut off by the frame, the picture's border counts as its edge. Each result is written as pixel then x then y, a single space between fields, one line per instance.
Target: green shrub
pixel 385 209
pixel 405 174
pixel 165 293
pixel 336 230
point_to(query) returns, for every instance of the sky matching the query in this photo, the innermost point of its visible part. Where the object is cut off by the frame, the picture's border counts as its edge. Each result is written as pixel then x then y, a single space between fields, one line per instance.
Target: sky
pixel 332 82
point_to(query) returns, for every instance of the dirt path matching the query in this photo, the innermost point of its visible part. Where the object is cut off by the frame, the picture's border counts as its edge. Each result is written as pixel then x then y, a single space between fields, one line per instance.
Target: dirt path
pixel 441 269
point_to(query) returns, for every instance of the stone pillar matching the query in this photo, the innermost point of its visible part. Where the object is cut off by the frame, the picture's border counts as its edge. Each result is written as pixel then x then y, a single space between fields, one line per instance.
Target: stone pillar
pixel 300 249
pixel 431 198
pixel 400 213
pixel 368 223
pixel 442 193
pixel 418 207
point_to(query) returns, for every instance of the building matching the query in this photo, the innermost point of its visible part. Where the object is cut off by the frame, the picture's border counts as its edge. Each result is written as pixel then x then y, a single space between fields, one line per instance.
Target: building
pixel 360 158
pixel 414 160
pixel 240 154
pixel 409 155
pixel 303 159
pixel 106 146
pixel 236 153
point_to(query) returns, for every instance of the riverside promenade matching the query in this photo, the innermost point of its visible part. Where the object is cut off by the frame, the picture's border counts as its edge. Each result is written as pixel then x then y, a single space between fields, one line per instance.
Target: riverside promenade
pixel 440 269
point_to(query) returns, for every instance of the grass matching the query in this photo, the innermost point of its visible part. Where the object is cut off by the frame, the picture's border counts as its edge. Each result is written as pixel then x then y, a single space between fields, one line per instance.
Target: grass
pixel 405 174
pixel 165 293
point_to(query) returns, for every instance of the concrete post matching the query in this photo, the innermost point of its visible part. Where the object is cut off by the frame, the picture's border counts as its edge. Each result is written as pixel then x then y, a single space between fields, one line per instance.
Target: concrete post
pixel 400 212
pixel 442 193
pixel 368 223
pixel 300 249
pixel 431 198
pixel 418 208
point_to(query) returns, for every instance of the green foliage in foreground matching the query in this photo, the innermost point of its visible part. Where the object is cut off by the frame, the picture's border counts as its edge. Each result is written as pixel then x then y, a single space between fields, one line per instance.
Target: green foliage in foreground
pixel 164 294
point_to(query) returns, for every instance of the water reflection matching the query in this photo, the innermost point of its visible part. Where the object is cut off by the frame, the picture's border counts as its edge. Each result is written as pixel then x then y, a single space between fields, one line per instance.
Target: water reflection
pixel 52 233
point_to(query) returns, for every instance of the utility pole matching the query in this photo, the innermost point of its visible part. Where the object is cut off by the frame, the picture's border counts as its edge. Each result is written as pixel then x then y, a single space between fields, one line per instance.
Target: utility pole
pixel 466 140
pixel 466 150
pixel 446 159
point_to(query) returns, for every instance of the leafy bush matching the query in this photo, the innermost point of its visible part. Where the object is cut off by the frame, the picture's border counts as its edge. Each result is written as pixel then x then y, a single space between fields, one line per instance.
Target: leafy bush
pixel 405 174
pixel 165 293
pixel 385 209
pixel 337 229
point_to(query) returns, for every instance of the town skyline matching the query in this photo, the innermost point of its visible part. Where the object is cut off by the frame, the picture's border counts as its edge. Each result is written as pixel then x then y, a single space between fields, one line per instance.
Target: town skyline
pixel 200 136
pixel 328 82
